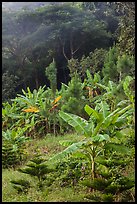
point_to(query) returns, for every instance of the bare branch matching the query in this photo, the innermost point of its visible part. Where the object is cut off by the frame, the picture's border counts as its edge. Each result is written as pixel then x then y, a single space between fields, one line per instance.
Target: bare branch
pixel 63 49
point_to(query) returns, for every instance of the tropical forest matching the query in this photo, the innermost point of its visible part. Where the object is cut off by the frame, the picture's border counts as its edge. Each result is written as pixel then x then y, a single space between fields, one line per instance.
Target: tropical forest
pixel 68 101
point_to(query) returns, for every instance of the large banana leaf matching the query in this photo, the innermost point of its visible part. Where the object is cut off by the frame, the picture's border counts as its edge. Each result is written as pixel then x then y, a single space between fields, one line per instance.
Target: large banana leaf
pixel 66 143
pixel 90 111
pixel 114 116
pixel 75 121
pixel 69 150
pixel 103 108
pixel 101 137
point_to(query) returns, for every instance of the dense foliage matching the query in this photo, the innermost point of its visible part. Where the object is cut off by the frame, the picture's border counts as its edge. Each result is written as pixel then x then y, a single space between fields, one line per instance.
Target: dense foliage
pixel 32 38
pixel 70 67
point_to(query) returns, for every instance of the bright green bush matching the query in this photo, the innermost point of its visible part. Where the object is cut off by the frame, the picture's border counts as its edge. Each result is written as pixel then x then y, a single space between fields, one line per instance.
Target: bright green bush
pixel 73 100
pixel 13 148
pixel 21 185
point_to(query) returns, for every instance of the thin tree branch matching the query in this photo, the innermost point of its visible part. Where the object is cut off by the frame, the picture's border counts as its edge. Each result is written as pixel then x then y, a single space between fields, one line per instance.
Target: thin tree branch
pixel 63 49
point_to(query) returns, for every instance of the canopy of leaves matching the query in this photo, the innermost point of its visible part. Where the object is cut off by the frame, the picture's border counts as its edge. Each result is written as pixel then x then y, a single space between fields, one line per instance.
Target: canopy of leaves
pixel 32 38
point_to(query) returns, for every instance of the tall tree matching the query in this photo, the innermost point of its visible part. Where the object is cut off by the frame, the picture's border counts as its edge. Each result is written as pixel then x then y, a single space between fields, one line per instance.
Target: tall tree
pixel 126 38
pixel 31 38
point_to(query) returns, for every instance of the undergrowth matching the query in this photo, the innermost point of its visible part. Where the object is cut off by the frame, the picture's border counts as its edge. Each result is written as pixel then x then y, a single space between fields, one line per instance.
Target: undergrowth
pixel 49 146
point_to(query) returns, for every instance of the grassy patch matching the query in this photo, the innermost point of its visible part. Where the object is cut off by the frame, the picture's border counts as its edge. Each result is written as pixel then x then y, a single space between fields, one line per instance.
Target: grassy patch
pixel 48 146
pixel 67 194
pixel 51 194
pixel 9 194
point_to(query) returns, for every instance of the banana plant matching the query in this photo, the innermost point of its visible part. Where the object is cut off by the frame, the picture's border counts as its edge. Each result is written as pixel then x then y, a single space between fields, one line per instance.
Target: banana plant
pixel 34 109
pixel 97 131
pixel 111 90
pixel 30 98
pixel 91 84
pixel 10 114
pixel 127 89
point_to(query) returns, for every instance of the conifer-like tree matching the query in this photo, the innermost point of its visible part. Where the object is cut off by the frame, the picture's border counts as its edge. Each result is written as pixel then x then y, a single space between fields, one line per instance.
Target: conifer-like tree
pixel 51 73
pixel 110 182
pixel 73 96
pixel 110 65
pixel 37 168
pixel 125 66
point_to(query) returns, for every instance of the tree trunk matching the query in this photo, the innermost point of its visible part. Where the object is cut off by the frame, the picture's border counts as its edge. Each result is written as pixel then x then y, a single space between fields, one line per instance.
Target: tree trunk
pixel 54 128
pixel 93 168
pixel 92 172
pixel 120 76
pixel 54 124
pixel 37 82
pixel 36 76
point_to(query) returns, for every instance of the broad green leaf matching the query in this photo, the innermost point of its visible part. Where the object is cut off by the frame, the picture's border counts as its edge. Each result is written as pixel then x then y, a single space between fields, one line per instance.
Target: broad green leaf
pixel 102 86
pixel 126 84
pixel 90 127
pixel 4 111
pixel 101 138
pixel 23 99
pixel 69 150
pixel 113 117
pixel 66 143
pixel 97 129
pixel 123 112
pixel 108 119
pixel 89 76
pixel 14 116
pixel 119 134
pixel 122 117
pixel 111 86
pixel 121 103
pixel 96 78
pixel 79 154
pixel 90 111
pixel 104 109
pixel 77 122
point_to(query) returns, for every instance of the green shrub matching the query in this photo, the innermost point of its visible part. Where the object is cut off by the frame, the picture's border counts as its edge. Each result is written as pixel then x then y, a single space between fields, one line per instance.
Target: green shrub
pixel 21 185
pixel 69 171
pixel 107 197
pixel 13 147
pixel 37 168
pixel 73 100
